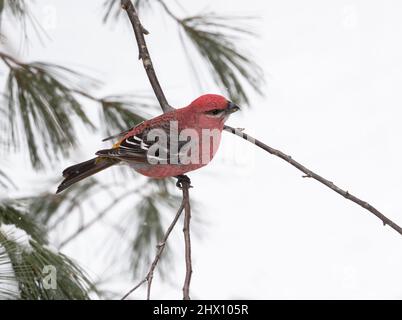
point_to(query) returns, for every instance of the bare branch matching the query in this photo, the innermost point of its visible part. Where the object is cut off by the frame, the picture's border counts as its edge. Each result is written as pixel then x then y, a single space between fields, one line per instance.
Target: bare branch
pixel 183 181
pixel 187 242
pixel 313 175
pixel 160 247
pixel 139 32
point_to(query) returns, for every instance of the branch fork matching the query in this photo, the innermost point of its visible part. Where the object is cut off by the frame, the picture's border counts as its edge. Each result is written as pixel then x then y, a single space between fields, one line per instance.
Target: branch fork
pixel 183 182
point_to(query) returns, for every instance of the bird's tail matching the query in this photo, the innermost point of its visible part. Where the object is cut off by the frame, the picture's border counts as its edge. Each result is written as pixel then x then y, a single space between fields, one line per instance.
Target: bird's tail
pixel 84 169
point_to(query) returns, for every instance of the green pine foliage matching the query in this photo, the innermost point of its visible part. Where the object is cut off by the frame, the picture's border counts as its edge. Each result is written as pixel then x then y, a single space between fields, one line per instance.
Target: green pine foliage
pixel 51 209
pixel 41 110
pixel 118 113
pixel 215 39
pixel 17 8
pixel 5 181
pixel 156 195
pixel 42 105
pixel 26 258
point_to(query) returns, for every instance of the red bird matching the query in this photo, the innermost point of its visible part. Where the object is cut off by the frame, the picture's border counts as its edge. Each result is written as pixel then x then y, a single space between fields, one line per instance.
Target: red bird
pixel 169 145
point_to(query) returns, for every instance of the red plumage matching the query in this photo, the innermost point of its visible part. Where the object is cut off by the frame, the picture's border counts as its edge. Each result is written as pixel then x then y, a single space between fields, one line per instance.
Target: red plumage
pixel 206 114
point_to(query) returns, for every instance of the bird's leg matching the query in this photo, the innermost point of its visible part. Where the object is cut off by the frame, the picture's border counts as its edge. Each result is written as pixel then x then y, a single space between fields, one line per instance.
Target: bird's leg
pixel 183 181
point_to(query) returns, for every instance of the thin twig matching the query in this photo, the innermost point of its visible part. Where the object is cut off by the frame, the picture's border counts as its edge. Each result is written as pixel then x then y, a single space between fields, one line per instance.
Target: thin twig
pixel 187 241
pixel 139 32
pixel 89 224
pixel 161 246
pixel 313 175
pixel 7 58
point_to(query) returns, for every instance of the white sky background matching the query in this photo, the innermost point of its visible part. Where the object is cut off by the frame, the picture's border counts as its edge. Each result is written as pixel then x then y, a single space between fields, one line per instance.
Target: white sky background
pixel 332 101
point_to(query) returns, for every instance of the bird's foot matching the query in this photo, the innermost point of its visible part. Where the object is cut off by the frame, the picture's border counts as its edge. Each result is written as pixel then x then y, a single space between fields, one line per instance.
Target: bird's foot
pixel 183 181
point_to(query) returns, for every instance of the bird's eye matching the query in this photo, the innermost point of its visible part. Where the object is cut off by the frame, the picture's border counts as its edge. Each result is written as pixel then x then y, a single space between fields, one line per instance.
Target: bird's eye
pixel 214 112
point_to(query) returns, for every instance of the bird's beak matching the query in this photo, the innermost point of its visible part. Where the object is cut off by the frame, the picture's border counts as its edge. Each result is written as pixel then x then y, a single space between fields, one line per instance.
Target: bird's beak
pixel 232 107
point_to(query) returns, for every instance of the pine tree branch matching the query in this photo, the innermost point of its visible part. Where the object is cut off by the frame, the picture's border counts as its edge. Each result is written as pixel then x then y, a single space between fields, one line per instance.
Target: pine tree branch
pixel 216 41
pixel 139 32
pixel 24 247
pixel 313 175
pixel 7 59
pixel 160 247
pixel 39 104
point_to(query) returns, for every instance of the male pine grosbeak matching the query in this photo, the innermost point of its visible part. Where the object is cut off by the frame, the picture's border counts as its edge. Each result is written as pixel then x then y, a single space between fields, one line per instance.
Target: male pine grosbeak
pixel 207 113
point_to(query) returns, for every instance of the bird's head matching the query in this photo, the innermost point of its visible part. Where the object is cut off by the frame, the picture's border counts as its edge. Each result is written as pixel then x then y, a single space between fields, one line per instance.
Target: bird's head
pixel 213 109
